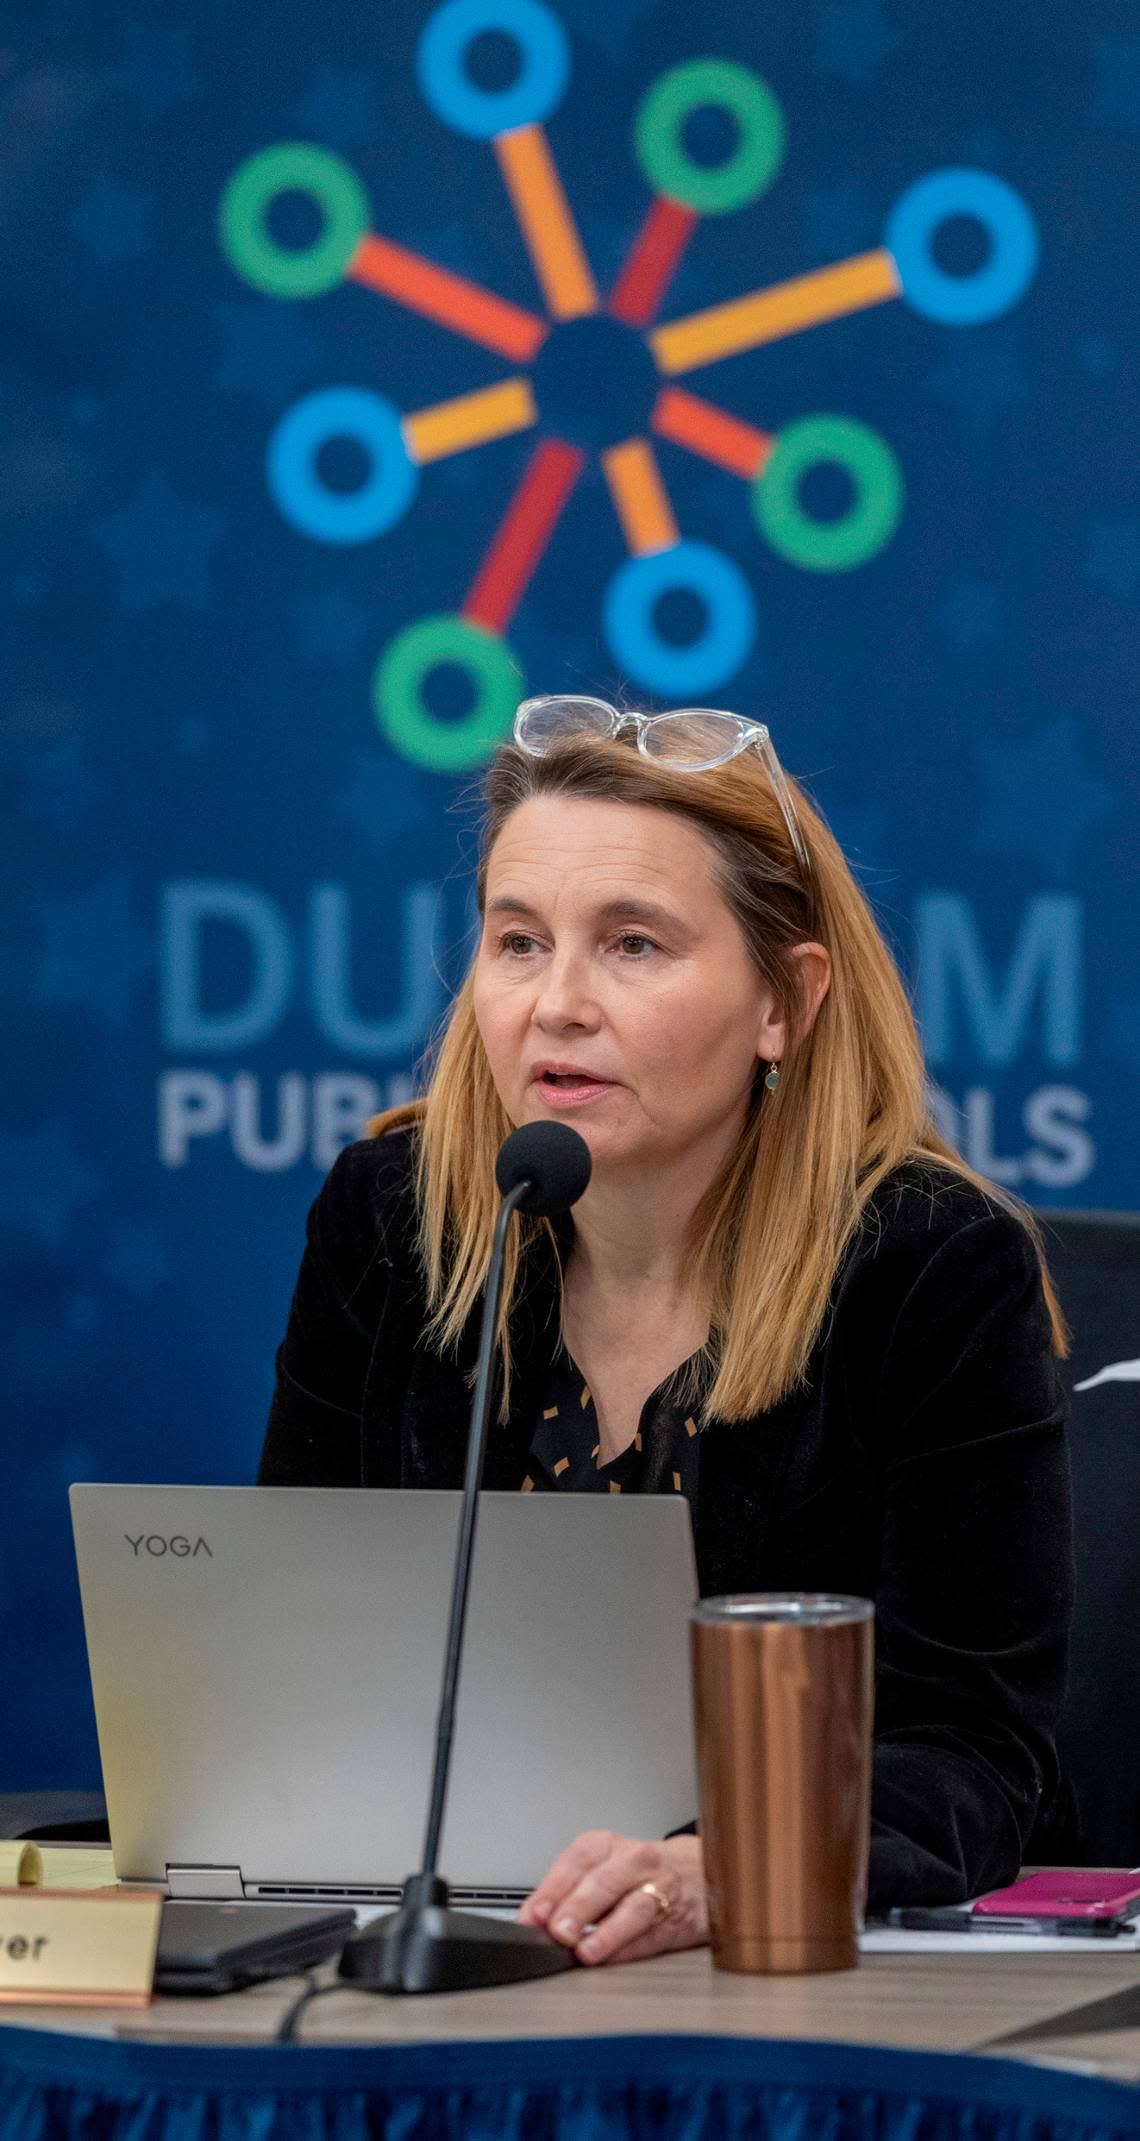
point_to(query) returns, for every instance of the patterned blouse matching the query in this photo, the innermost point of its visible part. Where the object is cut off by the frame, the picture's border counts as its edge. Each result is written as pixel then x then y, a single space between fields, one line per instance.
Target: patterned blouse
pixel 563 1457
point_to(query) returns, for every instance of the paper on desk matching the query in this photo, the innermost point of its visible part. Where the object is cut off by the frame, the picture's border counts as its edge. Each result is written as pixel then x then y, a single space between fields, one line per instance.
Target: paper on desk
pixel 20 1865
pixel 24 1865
pixel 898 1940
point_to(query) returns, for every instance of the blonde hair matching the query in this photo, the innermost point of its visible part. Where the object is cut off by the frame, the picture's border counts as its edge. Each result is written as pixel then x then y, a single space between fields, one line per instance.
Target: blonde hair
pixel 767 1238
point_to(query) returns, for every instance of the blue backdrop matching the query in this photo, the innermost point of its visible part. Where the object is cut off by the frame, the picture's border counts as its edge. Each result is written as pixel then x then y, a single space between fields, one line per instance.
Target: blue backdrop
pixel 363 366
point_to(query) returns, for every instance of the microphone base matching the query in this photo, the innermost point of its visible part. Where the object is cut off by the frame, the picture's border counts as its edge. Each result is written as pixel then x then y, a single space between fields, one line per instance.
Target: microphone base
pixel 425 1946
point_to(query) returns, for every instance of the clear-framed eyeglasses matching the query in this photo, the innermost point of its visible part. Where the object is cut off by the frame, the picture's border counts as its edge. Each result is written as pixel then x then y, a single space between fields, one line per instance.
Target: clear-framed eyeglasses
pixel 692 740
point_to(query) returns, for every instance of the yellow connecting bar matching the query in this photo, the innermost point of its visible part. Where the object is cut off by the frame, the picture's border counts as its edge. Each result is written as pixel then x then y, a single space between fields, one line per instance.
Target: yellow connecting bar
pixel 640 497
pixel 546 222
pixel 469 420
pixel 766 315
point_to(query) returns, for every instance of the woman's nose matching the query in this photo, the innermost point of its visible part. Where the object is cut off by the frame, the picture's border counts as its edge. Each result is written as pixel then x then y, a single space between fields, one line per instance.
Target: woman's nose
pixel 564 995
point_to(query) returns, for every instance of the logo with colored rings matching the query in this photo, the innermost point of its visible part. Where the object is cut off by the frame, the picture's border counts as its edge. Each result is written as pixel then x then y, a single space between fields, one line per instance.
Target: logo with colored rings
pixel 593 375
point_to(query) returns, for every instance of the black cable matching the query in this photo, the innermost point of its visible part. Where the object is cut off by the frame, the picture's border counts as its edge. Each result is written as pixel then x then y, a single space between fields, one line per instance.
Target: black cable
pixel 286 2033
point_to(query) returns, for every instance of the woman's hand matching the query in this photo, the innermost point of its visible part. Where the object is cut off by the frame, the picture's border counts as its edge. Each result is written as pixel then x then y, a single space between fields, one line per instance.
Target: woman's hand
pixel 595 1899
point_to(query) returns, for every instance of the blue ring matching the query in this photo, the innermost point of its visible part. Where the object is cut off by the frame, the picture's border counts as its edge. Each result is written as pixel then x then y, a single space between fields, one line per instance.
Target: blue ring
pixel 627 618
pixel 291 465
pixel 482 113
pixel 962 300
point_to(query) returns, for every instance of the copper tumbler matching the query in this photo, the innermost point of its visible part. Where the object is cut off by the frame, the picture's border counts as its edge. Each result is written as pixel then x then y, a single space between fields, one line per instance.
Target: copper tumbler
pixel 783 1690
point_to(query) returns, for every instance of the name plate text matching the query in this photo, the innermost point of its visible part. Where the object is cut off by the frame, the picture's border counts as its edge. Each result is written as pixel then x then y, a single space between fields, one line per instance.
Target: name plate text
pixel 79 1947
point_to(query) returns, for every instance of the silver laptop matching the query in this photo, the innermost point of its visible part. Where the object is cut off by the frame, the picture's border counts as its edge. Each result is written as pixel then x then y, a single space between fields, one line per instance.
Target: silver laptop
pixel 266 1661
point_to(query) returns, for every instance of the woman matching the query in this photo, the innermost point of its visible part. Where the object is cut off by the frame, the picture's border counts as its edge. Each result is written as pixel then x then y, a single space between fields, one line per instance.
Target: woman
pixel 782 1295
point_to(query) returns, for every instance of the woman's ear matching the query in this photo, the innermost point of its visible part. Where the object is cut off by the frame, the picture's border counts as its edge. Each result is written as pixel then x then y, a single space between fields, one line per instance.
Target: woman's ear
pixel 813 963
pixel 771 1034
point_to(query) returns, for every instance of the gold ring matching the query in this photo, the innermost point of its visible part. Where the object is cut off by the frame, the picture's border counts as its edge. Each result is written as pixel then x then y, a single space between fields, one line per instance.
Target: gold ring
pixel 664 1905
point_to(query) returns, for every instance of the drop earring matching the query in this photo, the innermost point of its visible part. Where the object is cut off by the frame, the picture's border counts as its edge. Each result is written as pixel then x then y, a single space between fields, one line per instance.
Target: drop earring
pixel 772 1079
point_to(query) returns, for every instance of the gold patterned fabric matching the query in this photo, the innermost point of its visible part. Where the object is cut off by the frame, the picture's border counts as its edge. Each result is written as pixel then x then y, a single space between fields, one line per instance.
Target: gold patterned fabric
pixel 565 1448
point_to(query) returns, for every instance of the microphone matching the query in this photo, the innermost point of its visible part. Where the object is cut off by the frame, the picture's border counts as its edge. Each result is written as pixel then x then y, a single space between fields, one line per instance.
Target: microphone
pixel 549 1162
pixel 425 1946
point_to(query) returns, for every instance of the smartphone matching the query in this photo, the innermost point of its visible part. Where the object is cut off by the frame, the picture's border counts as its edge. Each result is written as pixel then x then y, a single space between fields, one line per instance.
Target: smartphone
pixel 1066 1893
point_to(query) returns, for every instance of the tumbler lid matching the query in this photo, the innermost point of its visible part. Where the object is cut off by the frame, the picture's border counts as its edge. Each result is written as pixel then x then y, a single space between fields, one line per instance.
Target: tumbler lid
pixel 804 1608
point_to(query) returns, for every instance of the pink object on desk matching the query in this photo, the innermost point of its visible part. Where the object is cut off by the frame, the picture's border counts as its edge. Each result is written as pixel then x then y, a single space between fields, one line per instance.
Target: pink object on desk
pixel 1073 1892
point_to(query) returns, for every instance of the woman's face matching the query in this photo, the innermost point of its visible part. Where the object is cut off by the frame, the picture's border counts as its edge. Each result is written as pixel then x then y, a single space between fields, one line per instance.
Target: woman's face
pixel 608 951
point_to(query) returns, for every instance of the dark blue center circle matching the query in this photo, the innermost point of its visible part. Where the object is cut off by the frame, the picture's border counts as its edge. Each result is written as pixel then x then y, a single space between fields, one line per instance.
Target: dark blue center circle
pixel 680 617
pixel 343 465
pixel 826 491
pixel 294 220
pixel 492 62
pixel 710 135
pixel 961 245
pixel 448 691
pixel 595 382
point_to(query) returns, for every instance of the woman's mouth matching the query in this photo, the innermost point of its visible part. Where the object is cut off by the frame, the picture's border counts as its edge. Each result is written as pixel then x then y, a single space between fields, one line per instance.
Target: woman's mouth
pixel 571 1088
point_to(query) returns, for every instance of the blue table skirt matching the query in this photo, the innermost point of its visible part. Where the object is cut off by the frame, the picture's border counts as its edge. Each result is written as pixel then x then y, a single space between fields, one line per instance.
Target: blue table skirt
pixel 63 2088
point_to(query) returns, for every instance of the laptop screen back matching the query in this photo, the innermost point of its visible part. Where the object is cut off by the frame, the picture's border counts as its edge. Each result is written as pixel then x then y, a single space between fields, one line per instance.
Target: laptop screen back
pixel 266 1663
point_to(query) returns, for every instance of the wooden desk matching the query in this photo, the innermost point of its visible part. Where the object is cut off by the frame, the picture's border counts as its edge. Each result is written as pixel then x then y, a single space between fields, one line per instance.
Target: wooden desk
pixel 947 2003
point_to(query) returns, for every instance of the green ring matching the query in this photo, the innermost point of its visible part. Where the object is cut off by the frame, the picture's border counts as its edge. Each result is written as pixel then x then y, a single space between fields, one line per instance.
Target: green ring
pixel 284 270
pixel 445 746
pixel 754 162
pixel 832 545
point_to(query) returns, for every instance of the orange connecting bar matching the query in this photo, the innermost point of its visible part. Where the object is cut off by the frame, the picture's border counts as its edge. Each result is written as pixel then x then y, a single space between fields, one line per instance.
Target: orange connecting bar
pixel 713 433
pixel 450 299
pixel 640 497
pixel 766 315
pixel 469 420
pixel 546 222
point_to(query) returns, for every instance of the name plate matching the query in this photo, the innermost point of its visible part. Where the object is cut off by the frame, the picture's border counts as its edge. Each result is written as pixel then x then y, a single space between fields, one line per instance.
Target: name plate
pixel 79 1947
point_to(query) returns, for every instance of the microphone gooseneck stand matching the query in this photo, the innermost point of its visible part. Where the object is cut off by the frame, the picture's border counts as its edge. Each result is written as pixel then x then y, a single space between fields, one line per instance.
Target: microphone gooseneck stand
pixel 425 1946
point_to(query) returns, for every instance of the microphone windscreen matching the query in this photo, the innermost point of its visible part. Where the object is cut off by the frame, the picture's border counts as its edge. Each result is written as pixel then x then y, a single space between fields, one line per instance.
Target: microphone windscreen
pixel 553 1158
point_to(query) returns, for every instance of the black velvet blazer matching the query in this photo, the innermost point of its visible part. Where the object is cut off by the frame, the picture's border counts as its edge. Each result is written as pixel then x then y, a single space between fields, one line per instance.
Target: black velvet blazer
pixel 924 1466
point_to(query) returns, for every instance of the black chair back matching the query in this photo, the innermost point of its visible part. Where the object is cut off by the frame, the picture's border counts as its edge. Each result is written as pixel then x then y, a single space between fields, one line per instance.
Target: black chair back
pixel 1094 1258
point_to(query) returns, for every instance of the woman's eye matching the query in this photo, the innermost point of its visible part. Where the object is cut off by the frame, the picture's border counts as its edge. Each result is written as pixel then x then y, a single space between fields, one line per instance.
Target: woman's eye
pixel 516 944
